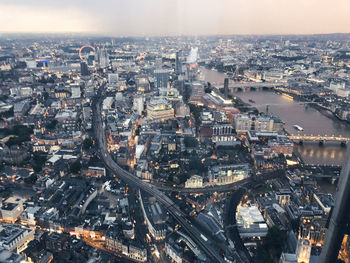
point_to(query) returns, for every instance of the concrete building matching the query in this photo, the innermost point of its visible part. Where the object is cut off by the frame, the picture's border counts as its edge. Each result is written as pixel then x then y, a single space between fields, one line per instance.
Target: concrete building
pixel 303 251
pixel 281 145
pixel 15 238
pixel 325 201
pixel 162 78
pixel 245 123
pixel 197 94
pixel 107 103
pixel 139 104
pixel 113 78
pixel 250 222
pixel 195 181
pixel 96 171
pixel 170 94
pixel 227 174
pixel 7 256
pixel 28 215
pixel 131 250
pixel 159 110
pixel 154 216
pixel 11 209
pixel 283 196
pixel 182 110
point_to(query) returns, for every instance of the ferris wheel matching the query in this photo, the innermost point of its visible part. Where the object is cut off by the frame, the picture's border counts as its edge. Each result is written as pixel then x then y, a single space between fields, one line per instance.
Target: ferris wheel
pixel 83 55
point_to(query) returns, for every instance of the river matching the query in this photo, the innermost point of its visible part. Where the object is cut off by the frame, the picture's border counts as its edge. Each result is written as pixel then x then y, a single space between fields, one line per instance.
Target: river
pixel 292 112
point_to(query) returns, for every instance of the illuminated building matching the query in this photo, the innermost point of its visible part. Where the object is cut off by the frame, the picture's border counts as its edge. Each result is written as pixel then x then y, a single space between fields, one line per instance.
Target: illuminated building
pixel 15 238
pixel 84 69
pixel 162 78
pixel 127 247
pixel 283 196
pixel 227 174
pixel 182 110
pixel 139 104
pixel 159 110
pixel 103 58
pixel 303 251
pixel 197 94
pixel 250 222
pixel 170 94
pixel 11 209
pixel 245 123
pixel 325 201
pixel 96 171
pixel 195 181
pixel 154 216
pixel 28 216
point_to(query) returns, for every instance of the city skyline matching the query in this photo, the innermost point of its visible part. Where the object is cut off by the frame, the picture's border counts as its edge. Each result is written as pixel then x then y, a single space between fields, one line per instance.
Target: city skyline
pixel 172 18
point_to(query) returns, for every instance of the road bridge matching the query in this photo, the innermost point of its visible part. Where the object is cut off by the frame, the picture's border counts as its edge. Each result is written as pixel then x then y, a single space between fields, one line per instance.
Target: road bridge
pixel 319 138
pixel 248 86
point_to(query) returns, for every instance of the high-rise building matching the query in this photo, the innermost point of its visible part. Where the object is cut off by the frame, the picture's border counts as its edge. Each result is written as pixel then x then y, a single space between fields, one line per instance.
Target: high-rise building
pixel 178 66
pixel 103 59
pixel 226 87
pixel 162 78
pixel 84 69
pixel 340 219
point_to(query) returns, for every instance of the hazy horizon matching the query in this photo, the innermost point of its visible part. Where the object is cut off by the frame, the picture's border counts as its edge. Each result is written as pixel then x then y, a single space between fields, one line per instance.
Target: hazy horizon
pixel 175 17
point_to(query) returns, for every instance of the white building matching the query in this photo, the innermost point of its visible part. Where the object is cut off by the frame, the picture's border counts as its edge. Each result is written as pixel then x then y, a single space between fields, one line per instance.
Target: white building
pixel 250 222
pixel 28 215
pixel 227 174
pixel 11 209
pixel 139 104
pixel 195 181
pixel 159 110
pixel 245 123
pixel 107 103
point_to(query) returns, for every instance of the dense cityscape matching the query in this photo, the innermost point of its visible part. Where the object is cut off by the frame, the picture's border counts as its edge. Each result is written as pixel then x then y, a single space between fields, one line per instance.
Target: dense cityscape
pixel 172 149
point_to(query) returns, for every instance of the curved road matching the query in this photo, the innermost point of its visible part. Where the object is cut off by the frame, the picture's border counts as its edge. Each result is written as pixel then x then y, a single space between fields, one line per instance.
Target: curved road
pixel 131 179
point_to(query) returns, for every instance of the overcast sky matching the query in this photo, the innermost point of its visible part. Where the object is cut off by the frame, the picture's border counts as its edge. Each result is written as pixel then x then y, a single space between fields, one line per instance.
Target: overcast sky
pixel 176 17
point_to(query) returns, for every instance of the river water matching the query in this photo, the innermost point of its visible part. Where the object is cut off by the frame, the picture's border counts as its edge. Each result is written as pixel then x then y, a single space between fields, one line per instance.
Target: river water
pixel 292 112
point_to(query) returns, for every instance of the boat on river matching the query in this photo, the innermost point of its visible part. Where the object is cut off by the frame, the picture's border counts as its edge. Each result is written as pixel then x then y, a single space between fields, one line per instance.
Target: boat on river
pixel 297 127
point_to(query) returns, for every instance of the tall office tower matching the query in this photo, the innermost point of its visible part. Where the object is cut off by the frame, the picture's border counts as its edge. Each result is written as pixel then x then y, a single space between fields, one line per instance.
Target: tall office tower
pixel 84 69
pixel 162 78
pixel 103 58
pixel 91 60
pixel 340 219
pixel 226 87
pixel 178 66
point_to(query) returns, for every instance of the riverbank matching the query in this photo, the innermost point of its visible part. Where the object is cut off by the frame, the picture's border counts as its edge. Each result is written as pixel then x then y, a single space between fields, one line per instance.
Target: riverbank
pixel 324 111
pixel 293 112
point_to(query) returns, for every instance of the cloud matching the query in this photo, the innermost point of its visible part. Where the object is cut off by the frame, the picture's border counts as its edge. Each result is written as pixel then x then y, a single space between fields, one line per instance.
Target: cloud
pixel 33 19
pixel 175 17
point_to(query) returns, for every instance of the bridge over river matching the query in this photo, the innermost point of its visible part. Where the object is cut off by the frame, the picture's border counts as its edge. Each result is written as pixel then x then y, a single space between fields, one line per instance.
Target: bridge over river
pixel 319 138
